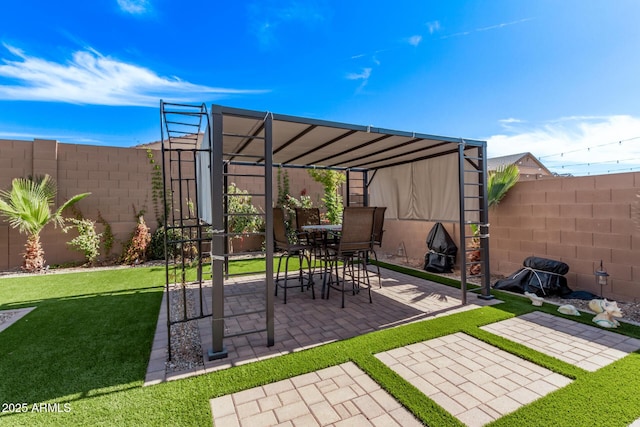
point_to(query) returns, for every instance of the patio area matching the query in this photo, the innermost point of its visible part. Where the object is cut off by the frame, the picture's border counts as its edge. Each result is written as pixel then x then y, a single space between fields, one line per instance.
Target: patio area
pixel 473 381
pixel 305 322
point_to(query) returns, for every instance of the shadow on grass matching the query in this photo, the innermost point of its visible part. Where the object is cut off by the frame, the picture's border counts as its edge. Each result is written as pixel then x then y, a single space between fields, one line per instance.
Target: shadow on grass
pixel 80 345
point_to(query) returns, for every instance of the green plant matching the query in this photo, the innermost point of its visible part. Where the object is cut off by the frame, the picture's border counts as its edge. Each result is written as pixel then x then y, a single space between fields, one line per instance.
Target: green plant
pixel 331 180
pixel 283 186
pixel 156 246
pixel 106 237
pixel 160 208
pixel 244 217
pixel 27 207
pixel 500 182
pixel 136 249
pixel 87 241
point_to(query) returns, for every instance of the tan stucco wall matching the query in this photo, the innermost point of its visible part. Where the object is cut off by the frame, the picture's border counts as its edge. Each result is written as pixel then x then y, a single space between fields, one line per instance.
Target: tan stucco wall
pixel 578 220
pixel 118 179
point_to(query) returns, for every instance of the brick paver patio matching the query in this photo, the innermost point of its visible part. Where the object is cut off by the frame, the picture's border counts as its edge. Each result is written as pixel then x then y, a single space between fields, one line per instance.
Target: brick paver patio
pixel 474 381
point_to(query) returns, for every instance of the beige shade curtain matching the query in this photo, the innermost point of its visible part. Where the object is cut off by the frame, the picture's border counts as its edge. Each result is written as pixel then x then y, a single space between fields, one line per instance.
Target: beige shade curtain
pixel 422 190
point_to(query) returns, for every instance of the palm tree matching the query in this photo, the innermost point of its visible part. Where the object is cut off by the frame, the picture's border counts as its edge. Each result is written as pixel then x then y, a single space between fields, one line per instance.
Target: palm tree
pixel 27 207
pixel 499 183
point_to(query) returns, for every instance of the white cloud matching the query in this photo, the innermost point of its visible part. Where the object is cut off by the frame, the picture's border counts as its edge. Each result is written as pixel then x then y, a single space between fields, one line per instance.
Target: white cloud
pixel 503 24
pixel 415 40
pixel 433 26
pixel 91 78
pixel 491 27
pixel 363 75
pixel 265 19
pixel 510 120
pixel 134 7
pixel 576 145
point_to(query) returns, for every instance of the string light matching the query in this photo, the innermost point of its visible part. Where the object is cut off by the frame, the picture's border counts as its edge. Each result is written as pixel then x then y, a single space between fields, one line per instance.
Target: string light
pixel 590 165
pixel 589 148
pixel 600 163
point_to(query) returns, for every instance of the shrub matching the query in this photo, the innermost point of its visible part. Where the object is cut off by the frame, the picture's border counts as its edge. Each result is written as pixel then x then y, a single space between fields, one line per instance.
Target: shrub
pixel 136 249
pixel 244 217
pixel 331 180
pixel 107 238
pixel 87 241
pixel 156 247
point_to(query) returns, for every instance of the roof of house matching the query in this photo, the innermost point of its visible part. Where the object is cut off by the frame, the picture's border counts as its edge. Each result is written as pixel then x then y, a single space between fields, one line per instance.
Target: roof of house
pixel 522 160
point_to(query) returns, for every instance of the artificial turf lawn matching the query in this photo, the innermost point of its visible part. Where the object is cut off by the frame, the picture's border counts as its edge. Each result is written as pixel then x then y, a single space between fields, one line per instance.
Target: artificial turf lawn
pixel 88 343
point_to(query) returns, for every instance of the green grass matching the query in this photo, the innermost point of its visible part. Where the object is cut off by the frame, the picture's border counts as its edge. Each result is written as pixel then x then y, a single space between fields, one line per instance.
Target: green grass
pixel 88 343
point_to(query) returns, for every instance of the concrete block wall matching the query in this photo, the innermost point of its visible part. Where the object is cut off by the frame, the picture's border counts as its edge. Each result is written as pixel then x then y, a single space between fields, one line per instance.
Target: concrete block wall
pixel 117 178
pixel 577 220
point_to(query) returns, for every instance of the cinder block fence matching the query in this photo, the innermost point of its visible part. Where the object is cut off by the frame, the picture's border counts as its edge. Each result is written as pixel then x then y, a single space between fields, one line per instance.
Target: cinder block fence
pixel 577 220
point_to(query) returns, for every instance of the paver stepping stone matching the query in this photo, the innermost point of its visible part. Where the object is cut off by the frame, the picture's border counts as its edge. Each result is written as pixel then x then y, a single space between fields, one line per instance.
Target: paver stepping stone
pixel 585 346
pixel 339 395
pixel 474 381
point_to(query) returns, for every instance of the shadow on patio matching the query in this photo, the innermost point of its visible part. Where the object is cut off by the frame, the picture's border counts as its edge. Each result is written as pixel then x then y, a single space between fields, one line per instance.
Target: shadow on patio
pixel 305 322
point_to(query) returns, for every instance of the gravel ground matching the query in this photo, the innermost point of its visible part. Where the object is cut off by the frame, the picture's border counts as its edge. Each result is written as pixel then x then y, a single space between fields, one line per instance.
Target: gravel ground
pixel 186 349
pixel 5 317
pixel 630 311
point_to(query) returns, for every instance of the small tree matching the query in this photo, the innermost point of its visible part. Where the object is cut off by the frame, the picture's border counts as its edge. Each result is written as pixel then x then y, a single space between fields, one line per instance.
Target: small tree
pixel 331 180
pixel 136 250
pixel 244 217
pixel 27 207
pixel 87 241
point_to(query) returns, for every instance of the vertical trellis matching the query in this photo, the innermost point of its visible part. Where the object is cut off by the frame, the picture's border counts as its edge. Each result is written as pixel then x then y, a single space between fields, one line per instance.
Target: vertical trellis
pixel 187 241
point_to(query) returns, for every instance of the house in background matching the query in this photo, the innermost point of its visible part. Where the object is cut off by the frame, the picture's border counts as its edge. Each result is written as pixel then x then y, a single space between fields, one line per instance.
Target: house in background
pixel 530 167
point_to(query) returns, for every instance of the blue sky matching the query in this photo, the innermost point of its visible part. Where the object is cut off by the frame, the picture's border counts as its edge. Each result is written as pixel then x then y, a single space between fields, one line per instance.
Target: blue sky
pixel 556 78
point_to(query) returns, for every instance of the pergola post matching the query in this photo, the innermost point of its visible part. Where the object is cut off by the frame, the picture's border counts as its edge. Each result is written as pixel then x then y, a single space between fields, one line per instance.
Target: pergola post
pixel 462 222
pixel 484 226
pixel 218 351
pixel 268 194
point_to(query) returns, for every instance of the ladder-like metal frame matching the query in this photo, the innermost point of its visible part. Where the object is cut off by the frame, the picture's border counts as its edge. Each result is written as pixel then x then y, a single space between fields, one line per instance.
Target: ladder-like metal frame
pixel 220 253
pixel 474 211
pixel 186 241
pixel 191 136
pixel 357 180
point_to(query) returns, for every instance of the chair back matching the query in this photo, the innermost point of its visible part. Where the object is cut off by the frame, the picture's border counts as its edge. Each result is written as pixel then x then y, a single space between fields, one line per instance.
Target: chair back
pixel 378 225
pixel 357 229
pixel 280 229
pixel 307 216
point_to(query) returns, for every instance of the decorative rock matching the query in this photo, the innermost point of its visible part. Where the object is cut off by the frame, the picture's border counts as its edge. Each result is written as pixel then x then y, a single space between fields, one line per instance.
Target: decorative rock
pixel 569 310
pixel 535 299
pixel 606 311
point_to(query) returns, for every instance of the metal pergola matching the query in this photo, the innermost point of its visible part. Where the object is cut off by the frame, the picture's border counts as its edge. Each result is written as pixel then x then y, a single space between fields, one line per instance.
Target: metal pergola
pixel 264 140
